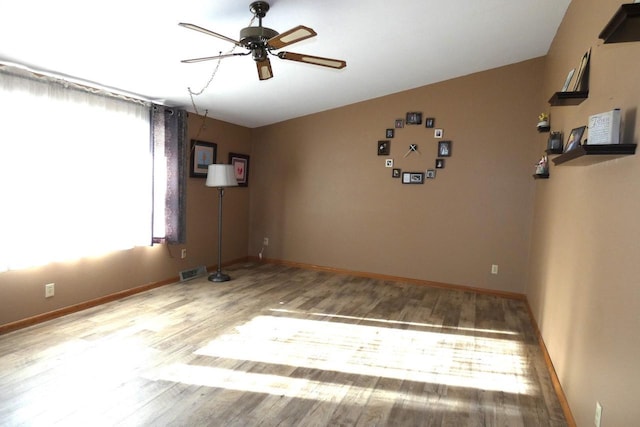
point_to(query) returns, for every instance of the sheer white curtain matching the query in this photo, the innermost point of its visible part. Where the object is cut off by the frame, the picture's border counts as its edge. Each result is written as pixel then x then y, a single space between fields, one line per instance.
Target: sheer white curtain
pixel 75 173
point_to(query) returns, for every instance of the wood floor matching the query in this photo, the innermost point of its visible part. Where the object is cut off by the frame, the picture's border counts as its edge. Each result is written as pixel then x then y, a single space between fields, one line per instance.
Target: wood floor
pixel 281 346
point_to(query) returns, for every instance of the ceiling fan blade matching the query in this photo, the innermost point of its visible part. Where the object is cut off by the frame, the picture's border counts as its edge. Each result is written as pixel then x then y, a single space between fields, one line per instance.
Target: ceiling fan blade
pixel 209 58
pixel 264 69
pixel 315 60
pixel 292 36
pixel 209 32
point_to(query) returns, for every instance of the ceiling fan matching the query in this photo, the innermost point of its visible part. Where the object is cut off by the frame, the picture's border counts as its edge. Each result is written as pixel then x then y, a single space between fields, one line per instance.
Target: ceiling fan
pixel 261 42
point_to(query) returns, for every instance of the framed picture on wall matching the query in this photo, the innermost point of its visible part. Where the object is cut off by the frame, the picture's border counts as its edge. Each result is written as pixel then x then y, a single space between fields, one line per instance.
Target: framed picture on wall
pixel 414 118
pixel 413 177
pixel 389 133
pixel 396 173
pixel 384 148
pixel 203 154
pixel 240 163
pixel 429 122
pixel 444 149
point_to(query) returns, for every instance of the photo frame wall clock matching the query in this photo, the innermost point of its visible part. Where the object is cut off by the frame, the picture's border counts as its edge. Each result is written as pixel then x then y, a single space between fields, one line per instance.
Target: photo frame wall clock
pixel 430 122
pixel 438 133
pixel 414 118
pixel 413 177
pixel 431 174
pixel 439 163
pixel 240 163
pixel 399 123
pixel 388 163
pixel 203 154
pixel 444 149
pixel 395 173
pixel 389 133
pixel 574 138
pixel 384 148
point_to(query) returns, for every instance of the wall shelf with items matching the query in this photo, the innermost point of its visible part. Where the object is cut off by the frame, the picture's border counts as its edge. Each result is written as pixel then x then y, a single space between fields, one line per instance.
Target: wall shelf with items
pixel 560 99
pixel 624 26
pixel 590 154
pixel 541 176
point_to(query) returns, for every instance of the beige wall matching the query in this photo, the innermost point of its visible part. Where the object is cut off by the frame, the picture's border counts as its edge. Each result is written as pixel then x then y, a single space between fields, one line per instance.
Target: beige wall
pixel 322 194
pixel 584 285
pixel 22 292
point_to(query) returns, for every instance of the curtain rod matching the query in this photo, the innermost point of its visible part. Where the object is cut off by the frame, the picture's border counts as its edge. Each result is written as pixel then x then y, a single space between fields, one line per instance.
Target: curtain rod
pixel 91 87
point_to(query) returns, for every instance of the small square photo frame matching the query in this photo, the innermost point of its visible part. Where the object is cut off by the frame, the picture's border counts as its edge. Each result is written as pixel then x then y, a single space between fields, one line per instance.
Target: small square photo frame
pixel 396 173
pixel 388 163
pixel 438 133
pixel 444 149
pixel 240 163
pixel 431 174
pixel 399 123
pixel 384 148
pixel 203 154
pixel 439 163
pixel 389 133
pixel 413 177
pixel 574 138
pixel 429 122
pixel 414 118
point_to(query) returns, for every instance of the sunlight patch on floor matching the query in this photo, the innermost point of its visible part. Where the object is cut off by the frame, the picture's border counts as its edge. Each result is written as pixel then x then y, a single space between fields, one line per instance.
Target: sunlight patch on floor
pixel 421 356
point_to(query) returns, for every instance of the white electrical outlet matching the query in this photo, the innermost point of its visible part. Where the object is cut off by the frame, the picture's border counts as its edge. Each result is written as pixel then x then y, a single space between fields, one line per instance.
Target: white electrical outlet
pixel 49 290
pixel 494 269
pixel 183 253
pixel 265 241
pixel 598 417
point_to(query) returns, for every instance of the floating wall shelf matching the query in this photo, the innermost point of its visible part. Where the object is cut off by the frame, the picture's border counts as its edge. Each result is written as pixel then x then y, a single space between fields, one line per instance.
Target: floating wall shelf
pixel 624 26
pixel 541 176
pixel 553 151
pixel 568 98
pixel 590 154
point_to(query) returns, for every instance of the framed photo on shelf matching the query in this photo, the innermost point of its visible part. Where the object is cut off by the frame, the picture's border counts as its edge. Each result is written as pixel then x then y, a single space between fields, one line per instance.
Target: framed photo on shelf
pixel 574 138
pixel 203 154
pixel 240 164
pixel 444 149
pixel 413 177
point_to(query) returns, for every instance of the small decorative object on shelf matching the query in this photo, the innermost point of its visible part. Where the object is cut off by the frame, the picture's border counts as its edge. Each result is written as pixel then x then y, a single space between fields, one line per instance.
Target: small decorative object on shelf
pixel 542 167
pixel 624 26
pixel 554 144
pixel 604 128
pixel 543 122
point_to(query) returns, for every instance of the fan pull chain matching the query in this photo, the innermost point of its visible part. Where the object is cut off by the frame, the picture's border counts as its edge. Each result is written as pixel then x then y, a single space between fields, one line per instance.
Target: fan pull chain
pixel 201 91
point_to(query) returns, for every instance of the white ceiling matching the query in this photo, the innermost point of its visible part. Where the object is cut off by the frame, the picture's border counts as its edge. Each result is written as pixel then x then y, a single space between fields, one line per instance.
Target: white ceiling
pixel 390 46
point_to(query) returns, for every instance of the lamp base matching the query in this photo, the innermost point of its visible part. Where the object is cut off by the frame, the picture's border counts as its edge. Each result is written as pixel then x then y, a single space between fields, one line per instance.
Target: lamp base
pixel 219 276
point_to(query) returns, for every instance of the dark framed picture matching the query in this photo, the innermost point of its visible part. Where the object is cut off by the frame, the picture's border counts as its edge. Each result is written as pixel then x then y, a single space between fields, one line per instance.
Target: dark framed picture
pixel 444 149
pixel 429 122
pixel 439 163
pixel 431 174
pixel 389 133
pixel 384 148
pixel 413 177
pixel 414 118
pixel 203 154
pixel 240 164
pixel 399 123
pixel 574 138
pixel 396 173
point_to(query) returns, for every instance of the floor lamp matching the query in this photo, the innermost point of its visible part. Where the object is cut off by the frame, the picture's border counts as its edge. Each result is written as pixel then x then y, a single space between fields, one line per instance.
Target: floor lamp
pixel 220 176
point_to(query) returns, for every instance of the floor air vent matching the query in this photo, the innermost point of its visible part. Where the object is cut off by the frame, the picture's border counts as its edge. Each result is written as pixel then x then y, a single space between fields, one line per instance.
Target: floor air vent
pixel 192 273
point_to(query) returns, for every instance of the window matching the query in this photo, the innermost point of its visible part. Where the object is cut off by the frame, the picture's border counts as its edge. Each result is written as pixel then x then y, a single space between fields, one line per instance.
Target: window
pixel 76 172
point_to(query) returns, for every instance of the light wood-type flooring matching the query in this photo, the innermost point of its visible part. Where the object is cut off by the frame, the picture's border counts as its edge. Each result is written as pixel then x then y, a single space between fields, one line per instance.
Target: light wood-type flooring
pixel 282 346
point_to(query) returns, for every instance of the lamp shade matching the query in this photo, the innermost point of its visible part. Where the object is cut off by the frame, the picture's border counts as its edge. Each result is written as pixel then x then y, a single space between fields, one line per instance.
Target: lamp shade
pixel 221 176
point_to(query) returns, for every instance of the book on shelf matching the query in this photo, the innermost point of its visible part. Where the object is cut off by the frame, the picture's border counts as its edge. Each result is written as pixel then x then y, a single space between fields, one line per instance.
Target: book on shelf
pixel 604 128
